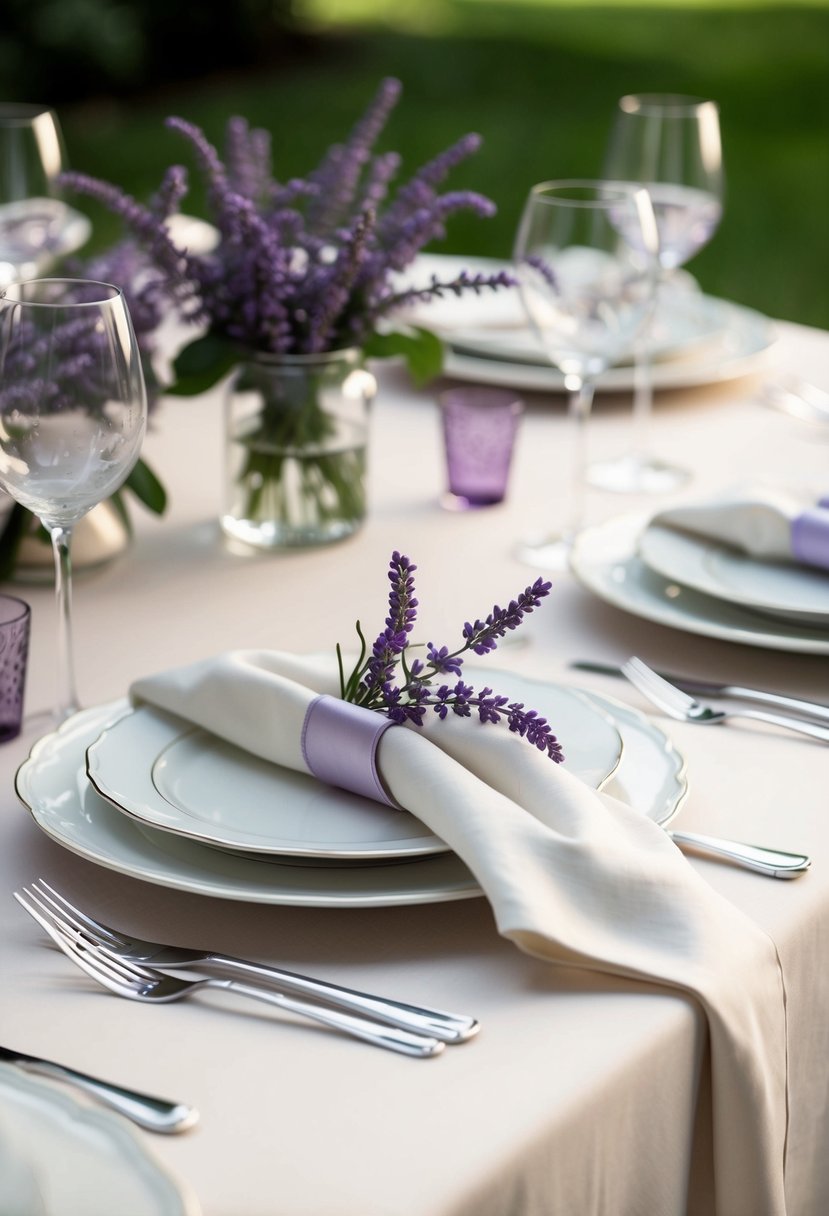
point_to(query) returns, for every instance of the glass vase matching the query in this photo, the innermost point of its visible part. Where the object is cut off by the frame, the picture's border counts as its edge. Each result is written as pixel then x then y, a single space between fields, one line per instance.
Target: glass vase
pixel 296 441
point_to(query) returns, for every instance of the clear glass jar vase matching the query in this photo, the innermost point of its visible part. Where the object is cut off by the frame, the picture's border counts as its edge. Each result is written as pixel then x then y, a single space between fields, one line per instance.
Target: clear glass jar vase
pixel 296 446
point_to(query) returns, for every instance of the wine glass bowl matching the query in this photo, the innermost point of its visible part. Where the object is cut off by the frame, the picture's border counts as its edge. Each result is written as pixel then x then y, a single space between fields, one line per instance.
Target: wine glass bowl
pixel 670 144
pixel 35 224
pixel 73 413
pixel 586 291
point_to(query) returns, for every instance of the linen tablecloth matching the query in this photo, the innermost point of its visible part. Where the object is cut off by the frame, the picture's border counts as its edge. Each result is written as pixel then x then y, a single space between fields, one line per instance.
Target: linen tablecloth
pixel 581 1092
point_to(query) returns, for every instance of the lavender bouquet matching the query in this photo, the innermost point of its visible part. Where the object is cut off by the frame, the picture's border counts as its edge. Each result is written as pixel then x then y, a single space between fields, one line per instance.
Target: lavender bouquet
pixel 304 268
pixel 385 680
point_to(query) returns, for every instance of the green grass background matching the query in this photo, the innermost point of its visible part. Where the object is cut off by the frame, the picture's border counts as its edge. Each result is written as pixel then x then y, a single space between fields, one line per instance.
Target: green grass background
pixel 539 79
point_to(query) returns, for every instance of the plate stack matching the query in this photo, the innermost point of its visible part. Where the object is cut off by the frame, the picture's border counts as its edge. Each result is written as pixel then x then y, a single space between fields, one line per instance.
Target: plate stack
pixel 143 792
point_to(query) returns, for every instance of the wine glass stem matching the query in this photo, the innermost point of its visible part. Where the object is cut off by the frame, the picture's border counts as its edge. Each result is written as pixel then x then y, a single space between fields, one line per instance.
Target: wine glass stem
pixel 642 396
pixel 67 692
pixel 579 405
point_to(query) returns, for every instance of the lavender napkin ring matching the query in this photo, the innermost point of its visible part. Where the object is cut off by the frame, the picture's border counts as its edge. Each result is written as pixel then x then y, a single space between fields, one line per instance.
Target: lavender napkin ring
pixel 810 537
pixel 339 746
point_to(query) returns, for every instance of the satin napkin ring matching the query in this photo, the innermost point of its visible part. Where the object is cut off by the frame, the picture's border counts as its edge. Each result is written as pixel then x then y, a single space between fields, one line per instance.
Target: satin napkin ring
pixel 339 746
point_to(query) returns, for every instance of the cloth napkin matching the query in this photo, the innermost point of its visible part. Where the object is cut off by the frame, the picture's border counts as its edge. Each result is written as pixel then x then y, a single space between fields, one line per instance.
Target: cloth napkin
pixel 573 877
pixel 764 523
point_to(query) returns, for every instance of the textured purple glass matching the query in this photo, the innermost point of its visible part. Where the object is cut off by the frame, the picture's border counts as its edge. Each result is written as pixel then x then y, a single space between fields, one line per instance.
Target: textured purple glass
pixel 479 428
pixel 15 617
pixel 339 745
pixel 810 537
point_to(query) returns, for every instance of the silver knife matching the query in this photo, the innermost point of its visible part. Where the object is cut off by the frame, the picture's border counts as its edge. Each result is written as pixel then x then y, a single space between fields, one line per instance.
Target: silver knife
pixel 707 688
pixel 153 1114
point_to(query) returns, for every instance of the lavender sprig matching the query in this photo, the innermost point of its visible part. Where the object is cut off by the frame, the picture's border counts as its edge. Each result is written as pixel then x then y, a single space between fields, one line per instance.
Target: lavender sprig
pixel 300 268
pixel 374 682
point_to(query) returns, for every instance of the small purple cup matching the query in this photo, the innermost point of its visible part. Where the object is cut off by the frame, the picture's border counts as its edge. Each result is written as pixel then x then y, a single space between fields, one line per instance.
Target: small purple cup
pixel 15 618
pixel 479 429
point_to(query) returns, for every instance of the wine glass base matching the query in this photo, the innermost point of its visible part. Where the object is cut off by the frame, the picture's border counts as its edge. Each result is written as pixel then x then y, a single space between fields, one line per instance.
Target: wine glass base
pixel 545 553
pixel 637 475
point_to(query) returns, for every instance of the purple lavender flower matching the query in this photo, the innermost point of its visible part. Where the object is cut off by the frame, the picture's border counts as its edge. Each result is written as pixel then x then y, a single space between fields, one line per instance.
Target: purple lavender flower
pixel 372 681
pixel 305 265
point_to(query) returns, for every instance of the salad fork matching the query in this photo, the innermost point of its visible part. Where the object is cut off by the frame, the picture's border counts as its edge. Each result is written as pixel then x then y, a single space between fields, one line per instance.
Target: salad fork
pixel 434 1023
pixel 142 983
pixel 678 704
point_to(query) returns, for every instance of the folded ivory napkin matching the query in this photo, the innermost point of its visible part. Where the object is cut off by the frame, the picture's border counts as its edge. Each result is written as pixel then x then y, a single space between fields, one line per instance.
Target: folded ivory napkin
pixel 764 523
pixel 572 876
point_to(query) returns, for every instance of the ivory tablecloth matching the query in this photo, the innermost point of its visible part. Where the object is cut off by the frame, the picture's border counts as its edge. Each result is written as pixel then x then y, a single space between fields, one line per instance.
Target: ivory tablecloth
pixel 579 1096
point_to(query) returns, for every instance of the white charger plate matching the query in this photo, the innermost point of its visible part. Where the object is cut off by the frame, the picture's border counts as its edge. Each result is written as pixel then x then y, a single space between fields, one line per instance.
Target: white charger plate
pixel 52 784
pixel 170 775
pixel 738 349
pixel 700 340
pixel 76 1160
pixel 796 593
pixel 604 558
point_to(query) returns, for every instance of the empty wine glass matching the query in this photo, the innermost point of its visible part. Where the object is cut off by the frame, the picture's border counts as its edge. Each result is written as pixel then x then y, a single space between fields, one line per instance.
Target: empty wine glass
pixel 586 291
pixel 73 411
pixel 671 144
pixel 34 222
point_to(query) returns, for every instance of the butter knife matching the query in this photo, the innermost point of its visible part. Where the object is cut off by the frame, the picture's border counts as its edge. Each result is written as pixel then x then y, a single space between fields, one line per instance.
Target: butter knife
pixel 708 688
pixel 153 1114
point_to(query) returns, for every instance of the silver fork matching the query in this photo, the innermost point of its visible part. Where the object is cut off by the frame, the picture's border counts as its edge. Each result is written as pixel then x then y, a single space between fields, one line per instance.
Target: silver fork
pixel 678 704
pixel 435 1023
pixel 143 983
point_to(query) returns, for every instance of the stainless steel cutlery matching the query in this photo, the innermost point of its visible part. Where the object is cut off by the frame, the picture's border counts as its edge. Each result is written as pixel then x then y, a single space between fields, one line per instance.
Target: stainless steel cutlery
pixel 774 863
pixel 140 982
pixel 678 704
pixel 709 688
pixel 151 1113
pixel 433 1023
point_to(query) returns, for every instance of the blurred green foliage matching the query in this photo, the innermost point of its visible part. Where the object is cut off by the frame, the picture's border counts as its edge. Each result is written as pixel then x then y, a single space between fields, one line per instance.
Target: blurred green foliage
pixel 538 78
pixel 63 50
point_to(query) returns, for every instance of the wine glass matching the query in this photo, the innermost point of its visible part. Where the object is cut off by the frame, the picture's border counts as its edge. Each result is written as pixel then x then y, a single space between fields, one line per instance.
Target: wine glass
pixel 33 221
pixel 671 144
pixel 73 412
pixel 586 291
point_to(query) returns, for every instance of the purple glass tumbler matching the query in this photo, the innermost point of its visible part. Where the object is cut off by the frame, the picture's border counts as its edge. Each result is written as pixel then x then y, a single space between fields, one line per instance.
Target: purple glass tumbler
pixel 479 428
pixel 15 616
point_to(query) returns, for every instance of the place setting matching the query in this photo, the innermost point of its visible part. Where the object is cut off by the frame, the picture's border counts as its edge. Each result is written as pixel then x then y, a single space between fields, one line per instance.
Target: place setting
pixel 749 566
pixel 368 785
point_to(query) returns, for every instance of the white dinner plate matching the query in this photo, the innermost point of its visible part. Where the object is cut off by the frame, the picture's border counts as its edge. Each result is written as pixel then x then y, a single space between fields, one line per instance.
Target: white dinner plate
pixel 605 560
pixel 738 350
pixel 796 593
pixel 170 775
pixel 53 785
pixel 699 340
pixel 71 1159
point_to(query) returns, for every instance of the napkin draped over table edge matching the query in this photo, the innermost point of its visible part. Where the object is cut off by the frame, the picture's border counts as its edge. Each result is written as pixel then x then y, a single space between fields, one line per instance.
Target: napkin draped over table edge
pixel 573 876
pixel 764 523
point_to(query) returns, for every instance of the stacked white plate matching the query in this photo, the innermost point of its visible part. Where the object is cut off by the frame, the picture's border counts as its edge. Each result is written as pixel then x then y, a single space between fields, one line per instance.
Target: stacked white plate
pixel 704 587
pixel 143 792
pixel 61 1157
pixel 695 339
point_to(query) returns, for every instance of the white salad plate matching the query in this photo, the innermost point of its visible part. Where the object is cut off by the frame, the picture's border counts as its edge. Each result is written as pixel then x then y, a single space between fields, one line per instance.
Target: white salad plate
pixel 794 592
pixel 698 339
pixel 60 1157
pixel 52 784
pixel 169 775
pixel 606 561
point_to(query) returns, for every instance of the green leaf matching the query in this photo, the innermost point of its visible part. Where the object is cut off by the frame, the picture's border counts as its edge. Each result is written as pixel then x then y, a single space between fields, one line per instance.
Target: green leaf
pixel 421 349
pixel 202 364
pixel 17 525
pixel 146 487
pixel 120 506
